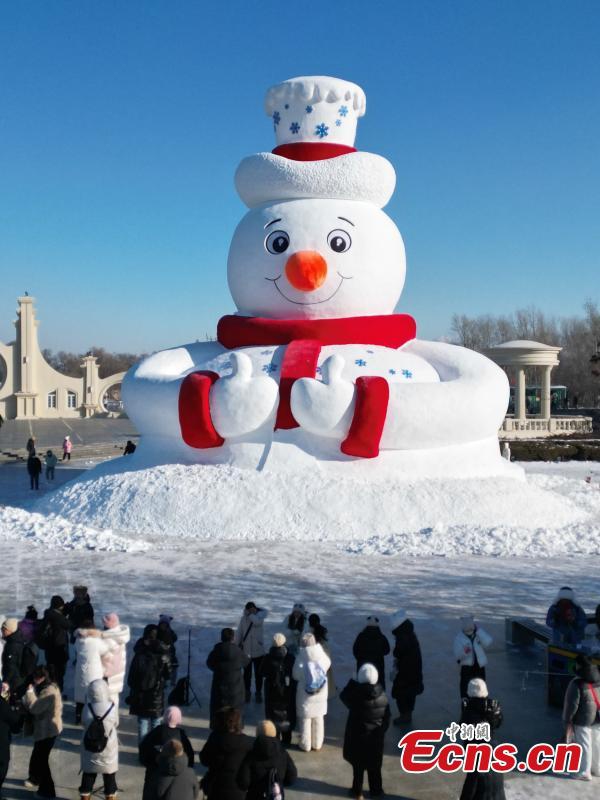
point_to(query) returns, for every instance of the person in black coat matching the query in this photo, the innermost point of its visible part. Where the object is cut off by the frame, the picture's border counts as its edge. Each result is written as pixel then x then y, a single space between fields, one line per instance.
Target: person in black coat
pixel 227 662
pixel 79 610
pixel 146 680
pixel 34 467
pixel 280 689
pixel 9 724
pixel 12 655
pixel 408 667
pixel 367 722
pixel 371 647
pixel 477 707
pixel 173 779
pixel 267 754
pixel 153 743
pixel 53 638
pixel 223 754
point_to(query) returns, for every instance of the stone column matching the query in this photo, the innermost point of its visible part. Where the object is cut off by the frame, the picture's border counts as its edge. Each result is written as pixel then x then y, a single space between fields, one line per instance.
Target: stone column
pixel 545 408
pixel 520 402
pixel 90 385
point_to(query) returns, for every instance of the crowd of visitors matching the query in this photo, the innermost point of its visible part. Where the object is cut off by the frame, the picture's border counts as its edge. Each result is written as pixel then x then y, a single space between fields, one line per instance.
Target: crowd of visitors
pixel 292 678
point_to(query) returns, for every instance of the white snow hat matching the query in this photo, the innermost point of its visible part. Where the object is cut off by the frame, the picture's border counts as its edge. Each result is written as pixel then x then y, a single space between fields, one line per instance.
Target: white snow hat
pixel 368 674
pixel 315 124
pixel 477 688
pixel 397 618
pixel 566 593
pixel 467 623
pixel 279 640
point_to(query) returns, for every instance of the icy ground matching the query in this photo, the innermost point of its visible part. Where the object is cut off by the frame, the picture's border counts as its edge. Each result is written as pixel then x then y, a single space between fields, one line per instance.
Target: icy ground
pixel 205 583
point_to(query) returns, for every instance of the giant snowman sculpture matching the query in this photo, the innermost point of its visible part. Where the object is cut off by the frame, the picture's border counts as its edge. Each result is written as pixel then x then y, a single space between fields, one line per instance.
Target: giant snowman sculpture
pixel 315 370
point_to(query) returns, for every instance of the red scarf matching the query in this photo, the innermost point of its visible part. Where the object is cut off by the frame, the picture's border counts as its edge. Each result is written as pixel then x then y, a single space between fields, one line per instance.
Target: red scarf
pixel 304 339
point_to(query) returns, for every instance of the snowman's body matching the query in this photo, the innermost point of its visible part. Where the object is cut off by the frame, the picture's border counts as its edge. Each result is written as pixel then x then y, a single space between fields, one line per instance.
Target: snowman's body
pixel 323 256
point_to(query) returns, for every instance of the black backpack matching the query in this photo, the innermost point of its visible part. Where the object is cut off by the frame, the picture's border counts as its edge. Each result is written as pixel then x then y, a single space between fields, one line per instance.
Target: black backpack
pixel 279 678
pixel 29 659
pixel 43 634
pixel 143 672
pixel 95 738
pixel 273 789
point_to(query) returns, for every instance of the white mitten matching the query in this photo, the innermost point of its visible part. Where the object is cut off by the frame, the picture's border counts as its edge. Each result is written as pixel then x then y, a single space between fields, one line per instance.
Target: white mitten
pixel 240 404
pixel 324 407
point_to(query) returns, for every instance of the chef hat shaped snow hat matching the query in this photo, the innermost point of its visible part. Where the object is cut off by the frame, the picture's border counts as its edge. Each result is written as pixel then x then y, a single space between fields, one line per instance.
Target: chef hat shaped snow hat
pixel 368 674
pixel 315 120
pixel 279 640
pixel 565 593
pixel 477 688
pixel 397 618
pixel 467 623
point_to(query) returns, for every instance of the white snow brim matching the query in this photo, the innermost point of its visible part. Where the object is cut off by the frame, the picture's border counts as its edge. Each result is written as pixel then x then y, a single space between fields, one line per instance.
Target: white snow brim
pixel 266 178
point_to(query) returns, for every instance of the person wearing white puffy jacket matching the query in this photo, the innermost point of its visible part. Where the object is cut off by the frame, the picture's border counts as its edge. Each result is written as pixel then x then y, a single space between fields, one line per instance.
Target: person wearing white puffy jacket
pixel 469 650
pixel 115 662
pixel 106 763
pixel 90 648
pixel 310 672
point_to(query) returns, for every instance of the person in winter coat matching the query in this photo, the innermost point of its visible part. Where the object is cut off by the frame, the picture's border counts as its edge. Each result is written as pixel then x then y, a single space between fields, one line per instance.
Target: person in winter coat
pixel 79 610
pixel 223 754
pixel 50 461
pixel 321 637
pixel 90 648
pixel 581 715
pixel 148 673
pixel 310 672
pixel 228 663
pixel 267 754
pixel 368 720
pixel 173 779
pixel 30 446
pixel 18 657
pixel 28 624
pixel 9 723
pixel 407 675
pixel 371 647
pixel 249 636
pixel 44 703
pixel 99 705
pixel 167 635
pixel 276 670
pixel 115 661
pixel 54 639
pixel 67 447
pixel 130 448
pixel 34 467
pixel 469 650
pixel 152 745
pixel 478 708
pixel 566 618
pixel 294 625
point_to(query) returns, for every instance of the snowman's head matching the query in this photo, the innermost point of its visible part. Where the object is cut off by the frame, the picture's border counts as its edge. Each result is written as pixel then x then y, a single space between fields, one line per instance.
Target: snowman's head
pixel 316 258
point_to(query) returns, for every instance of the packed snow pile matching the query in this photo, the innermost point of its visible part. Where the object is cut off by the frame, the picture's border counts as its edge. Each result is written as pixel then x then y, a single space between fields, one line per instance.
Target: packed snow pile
pixel 547 514
pixel 55 532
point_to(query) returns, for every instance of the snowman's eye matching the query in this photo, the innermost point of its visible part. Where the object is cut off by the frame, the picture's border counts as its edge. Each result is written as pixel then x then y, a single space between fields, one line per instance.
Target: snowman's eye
pixel 339 241
pixel 277 242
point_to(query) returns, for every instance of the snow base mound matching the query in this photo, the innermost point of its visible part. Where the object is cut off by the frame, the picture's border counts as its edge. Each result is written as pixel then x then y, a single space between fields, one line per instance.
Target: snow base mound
pixel 546 514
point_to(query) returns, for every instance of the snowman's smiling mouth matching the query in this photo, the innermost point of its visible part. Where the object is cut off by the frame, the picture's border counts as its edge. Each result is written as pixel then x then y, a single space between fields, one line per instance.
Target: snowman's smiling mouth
pixel 309 302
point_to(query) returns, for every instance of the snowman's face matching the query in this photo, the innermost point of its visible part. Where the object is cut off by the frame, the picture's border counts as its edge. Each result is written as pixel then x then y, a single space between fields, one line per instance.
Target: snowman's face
pixel 303 259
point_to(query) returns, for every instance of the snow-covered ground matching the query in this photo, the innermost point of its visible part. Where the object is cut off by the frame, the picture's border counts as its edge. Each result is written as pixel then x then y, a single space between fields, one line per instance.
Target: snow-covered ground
pixel 495 564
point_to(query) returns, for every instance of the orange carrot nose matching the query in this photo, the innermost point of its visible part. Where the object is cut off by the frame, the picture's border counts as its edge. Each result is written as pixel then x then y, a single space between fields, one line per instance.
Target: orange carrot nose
pixel 306 270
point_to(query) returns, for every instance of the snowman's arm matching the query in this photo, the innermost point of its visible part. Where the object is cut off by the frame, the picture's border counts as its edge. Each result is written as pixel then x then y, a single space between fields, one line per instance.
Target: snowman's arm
pixel 467 405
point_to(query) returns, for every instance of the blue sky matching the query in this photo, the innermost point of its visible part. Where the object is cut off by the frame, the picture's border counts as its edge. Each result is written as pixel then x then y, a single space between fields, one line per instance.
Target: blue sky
pixel 121 125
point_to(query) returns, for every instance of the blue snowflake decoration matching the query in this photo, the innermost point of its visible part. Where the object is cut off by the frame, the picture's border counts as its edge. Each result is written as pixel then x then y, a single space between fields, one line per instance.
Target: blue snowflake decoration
pixel 338 122
pixel 392 371
pixel 360 362
pixel 276 117
pixel 407 373
pixel 309 109
pixel 268 368
pixel 321 131
pixel 343 111
pixel 294 127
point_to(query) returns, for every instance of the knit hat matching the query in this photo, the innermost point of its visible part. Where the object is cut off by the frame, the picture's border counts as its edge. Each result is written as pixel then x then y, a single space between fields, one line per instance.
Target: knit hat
pixel 372 620
pixel 279 640
pixel 110 620
pixel 467 623
pixel 80 590
pixel 566 593
pixel 173 716
pixel 368 674
pixel 10 625
pixel 398 618
pixel 477 688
